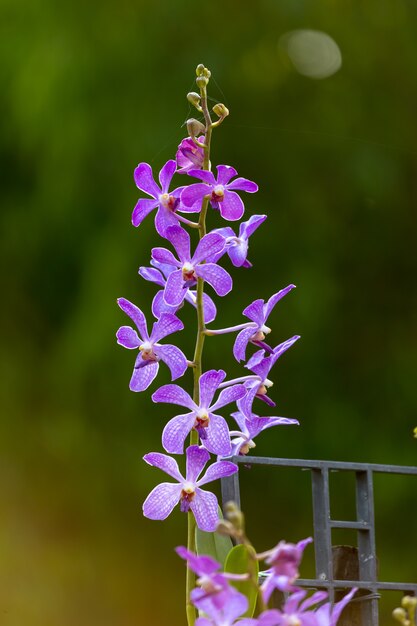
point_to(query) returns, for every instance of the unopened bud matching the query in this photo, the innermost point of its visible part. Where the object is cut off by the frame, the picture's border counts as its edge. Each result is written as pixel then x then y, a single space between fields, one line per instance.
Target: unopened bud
pixel 195 127
pixel 194 99
pixel 400 615
pixel 200 69
pixel 201 81
pixel 234 515
pixel 220 110
pixel 225 528
pixel 415 432
pixel 206 73
pixel 409 602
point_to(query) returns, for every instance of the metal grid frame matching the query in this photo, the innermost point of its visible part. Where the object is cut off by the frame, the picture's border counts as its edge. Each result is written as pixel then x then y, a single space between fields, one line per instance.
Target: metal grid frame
pixel 323 524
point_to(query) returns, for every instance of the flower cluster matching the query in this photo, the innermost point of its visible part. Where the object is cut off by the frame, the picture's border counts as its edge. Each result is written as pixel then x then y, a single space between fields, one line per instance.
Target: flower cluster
pixel 181 272
pixel 223 605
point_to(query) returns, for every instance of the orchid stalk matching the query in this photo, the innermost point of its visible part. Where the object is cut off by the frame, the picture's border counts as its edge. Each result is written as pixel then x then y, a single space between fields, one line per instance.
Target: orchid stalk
pixel 181 278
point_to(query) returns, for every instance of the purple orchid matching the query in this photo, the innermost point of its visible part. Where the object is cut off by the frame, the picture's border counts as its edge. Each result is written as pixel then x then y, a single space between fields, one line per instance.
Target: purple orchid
pixel 298 611
pixel 236 605
pixel 221 191
pixel 258 312
pixel 258 384
pixel 211 582
pixel 237 246
pixel 284 560
pixel 212 428
pixel 150 350
pixel 189 156
pixel 158 275
pixel 242 440
pixel 188 268
pixel 162 500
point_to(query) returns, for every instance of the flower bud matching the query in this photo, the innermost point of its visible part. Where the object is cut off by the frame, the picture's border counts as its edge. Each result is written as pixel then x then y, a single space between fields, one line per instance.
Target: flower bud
pixel 195 127
pixel 234 515
pixel 225 528
pixel 200 69
pixel 400 615
pixel 194 99
pixel 201 81
pixel 415 432
pixel 220 110
pixel 409 602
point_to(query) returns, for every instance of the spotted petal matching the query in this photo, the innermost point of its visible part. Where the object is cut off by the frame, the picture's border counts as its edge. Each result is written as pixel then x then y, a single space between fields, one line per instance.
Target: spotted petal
pixel 180 239
pixel 173 357
pixel 166 174
pixel 174 394
pixel 136 315
pixel 143 374
pixel 144 180
pixel 243 184
pixel 161 501
pixel 143 207
pixel 274 299
pixel 165 463
pixel 231 207
pixel 205 509
pixel 166 325
pixel 217 470
pixel 225 173
pixel 175 289
pixel 175 432
pixel 194 193
pixel 196 459
pixel 215 276
pixel 128 338
pixel 241 343
pixel 228 395
pixel 247 229
pixel 209 382
pixel 217 436
pixel 164 256
pixel 210 244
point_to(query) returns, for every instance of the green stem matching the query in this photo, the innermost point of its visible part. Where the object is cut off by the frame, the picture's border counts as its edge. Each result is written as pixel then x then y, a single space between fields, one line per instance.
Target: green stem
pixel 198 354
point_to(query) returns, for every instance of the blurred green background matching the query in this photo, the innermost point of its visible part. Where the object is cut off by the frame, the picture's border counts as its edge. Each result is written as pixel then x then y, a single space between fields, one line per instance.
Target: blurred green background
pixel 88 91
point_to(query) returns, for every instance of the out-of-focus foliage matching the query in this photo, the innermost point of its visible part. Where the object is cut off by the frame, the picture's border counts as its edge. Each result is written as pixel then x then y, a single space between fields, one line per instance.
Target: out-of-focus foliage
pixel 89 89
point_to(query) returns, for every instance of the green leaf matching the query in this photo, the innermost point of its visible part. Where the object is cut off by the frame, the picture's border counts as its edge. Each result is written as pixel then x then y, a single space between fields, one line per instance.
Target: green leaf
pixel 240 561
pixel 213 544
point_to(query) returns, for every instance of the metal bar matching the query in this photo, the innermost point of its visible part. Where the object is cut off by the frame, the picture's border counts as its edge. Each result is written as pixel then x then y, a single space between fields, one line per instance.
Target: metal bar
pixel 366 541
pixel 361 584
pixel 331 465
pixel 354 525
pixel 230 489
pixel 322 532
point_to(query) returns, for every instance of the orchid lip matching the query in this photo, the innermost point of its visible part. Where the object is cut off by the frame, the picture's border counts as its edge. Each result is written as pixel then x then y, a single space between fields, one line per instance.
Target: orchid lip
pixel 167 201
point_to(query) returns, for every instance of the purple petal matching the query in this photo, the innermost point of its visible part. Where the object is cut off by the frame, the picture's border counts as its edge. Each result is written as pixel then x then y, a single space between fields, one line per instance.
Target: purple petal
pixel 238 253
pixel 165 463
pixel 128 338
pixel 248 228
pixel 225 173
pixel 317 597
pixel 136 315
pixel 203 621
pixel 210 310
pixel 205 509
pixel 231 207
pixel 173 357
pixel 208 177
pixel 196 459
pixel 144 180
pixel 241 343
pixel 228 395
pixel 143 207
pixel 283 347
pixel 159 306
pixel 166 174
pixel 217 470
pixel 175 432
pixel 161 501
pixel 274 299
pixel 165 326
pixel 162 255
pixel 175 289
pixel 174 394
pixel 216 276
pixel 209 382
pixel 143 374
pixel 152 275
pixel 164 219
pixel 194 193
pixel 243 184
pixel 217 436
pixel 180 239
pixel 210 244
pixel 199 564
pixel 255 312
